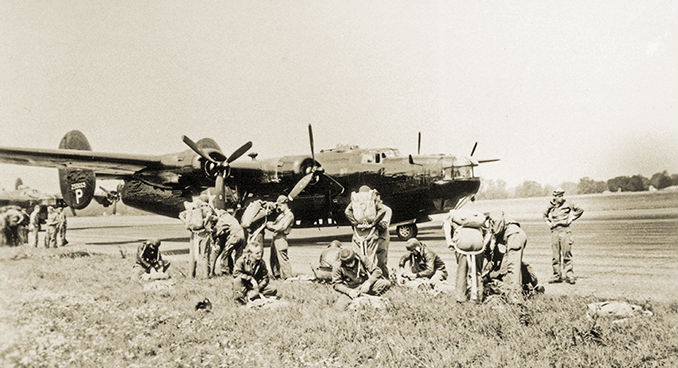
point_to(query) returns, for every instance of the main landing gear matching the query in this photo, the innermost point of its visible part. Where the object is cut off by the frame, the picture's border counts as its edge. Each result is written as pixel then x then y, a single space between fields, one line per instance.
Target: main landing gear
pixel 407 231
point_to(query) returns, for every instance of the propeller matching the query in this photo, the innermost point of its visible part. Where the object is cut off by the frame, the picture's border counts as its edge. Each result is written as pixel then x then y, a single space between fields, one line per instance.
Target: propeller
pixel 316 171
pixel 113 197
pixel 474 149
pixel 419 144
pixel 217 164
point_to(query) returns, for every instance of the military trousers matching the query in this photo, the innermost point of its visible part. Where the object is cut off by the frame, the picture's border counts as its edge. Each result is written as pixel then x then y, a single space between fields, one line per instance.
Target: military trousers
pixel 463 273
pixel 33 232
pixel 561 247
pixel 243 288
pixel 280 260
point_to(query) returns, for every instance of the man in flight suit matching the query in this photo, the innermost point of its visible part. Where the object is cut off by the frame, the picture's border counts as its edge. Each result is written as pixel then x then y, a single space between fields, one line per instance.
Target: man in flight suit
pixel 149 258
pixel 251 276
pixel 424 263
pixel 229 242
pixel 328 258
pixel 559 214
pixel 34 227
pixel 281 227
pixel 354 276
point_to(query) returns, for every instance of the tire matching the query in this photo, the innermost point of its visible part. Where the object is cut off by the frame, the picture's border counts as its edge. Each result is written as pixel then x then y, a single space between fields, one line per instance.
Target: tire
pixel 406 232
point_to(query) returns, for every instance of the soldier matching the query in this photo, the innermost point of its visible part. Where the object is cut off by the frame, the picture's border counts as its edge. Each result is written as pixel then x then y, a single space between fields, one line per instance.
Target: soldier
pixel 328 258
pixel 4 232
pixel 371 239
pixel 281 227
pixel 251 276
pixel 34 227
pixel 199 220
pixel 509 240
pixel 229 242
pixel 23 227
pixel 149 258
pixel 559 215
pixel 50 235
pixel 423 263
pixel 355 275
pixel 61 227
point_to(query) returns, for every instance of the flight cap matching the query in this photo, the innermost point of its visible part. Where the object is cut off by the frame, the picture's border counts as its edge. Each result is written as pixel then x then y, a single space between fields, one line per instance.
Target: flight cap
pixel 558 192
pixel 412 243
pixel 364 188
pixel 346 255
pixel 282 199
pixel 154 242
pixel 336 243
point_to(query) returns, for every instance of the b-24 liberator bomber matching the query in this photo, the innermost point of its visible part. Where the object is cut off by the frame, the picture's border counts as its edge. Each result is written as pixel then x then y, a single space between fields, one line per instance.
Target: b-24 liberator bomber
pixel 414 186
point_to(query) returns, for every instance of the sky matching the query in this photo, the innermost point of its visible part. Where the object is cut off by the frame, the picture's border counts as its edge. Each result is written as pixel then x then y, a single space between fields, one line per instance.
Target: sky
pixel 557 90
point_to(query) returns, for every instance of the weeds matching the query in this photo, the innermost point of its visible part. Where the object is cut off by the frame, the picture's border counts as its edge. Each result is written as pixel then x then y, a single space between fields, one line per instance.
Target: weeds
pixel 86 311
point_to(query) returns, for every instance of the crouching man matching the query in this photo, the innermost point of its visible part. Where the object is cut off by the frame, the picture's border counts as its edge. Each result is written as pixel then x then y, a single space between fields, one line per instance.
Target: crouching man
pixel 424 264
pixel 354 275
pixel 251 276
pixel 328 258
pixel 149 258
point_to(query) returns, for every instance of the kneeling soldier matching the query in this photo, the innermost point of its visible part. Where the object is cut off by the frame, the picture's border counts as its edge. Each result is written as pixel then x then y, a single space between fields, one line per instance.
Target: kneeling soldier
pixel 353 276
pixel 424 263
pixel 251 276
pixel 149 258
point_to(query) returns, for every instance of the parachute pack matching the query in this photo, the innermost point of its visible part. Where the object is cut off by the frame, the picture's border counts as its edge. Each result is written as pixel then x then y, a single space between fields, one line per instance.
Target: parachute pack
pixel 468 234
pixel 364 206
pixel 193 220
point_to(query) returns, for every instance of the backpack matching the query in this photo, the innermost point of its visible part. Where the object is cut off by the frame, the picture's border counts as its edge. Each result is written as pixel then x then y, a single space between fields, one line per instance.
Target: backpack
pixel 468 218
pixel 364 206
pixel 194 219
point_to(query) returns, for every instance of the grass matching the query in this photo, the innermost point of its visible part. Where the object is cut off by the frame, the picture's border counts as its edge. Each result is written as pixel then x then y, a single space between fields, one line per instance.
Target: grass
pixel 64 309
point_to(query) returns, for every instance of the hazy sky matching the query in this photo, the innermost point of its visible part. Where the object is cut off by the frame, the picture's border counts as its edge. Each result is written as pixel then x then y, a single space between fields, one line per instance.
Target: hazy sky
pixel 556 89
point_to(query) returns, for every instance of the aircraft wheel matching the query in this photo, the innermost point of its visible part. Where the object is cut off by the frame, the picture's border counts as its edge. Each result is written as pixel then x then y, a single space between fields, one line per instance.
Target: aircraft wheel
pixel 406 232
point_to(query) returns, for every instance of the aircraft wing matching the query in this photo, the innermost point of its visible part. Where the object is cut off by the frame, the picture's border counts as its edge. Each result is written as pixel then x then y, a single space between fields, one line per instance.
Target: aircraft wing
pixel 109 165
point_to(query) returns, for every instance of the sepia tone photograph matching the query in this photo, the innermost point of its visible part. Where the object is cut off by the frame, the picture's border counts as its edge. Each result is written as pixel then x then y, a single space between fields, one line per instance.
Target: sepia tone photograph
pixel 338 184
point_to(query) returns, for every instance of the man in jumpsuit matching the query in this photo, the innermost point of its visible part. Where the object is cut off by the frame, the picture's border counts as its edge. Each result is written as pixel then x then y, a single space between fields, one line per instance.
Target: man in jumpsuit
pixel 229 243
pixel 559 214
pixel 61 227
pixel 378 243
pixel 328 257
pixel 423 263
pixel 281 227
pixel 51 233
pixel 509 241
pixel 34 227
pixel 251 276
pixel 149 258
pixel 354 275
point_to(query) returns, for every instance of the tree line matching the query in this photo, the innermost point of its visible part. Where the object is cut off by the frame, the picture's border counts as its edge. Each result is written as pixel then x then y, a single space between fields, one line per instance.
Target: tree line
pixel 497 188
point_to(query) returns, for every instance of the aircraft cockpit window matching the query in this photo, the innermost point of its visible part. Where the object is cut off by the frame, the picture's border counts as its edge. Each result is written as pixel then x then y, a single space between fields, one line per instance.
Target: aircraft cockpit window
pixel 377 158
pixel 462 172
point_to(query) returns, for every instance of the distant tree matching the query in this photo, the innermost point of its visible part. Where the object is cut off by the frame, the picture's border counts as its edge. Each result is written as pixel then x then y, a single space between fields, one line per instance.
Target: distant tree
pixel 18 183
pixel 638 183
pixel 617 183
pixel 587 186
pixel 674 179
pixel 571 188
pixel 493 189
pixel 529 188
pixel 660 180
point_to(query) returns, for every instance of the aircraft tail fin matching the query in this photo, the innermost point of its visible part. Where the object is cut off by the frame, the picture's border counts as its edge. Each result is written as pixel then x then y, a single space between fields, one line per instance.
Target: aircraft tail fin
pixel 77 185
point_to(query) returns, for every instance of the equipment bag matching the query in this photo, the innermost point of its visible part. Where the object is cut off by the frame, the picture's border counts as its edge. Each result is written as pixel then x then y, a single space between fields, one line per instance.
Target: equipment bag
pixel 468 218
pixel 194 219
pixel 364 206
pixel 468 239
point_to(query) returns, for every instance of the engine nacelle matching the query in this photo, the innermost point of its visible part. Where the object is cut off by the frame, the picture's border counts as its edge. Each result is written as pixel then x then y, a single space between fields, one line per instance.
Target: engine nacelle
pixel 77 185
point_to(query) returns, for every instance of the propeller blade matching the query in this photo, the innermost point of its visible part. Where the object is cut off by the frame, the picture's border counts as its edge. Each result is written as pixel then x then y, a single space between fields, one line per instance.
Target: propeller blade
pixel 419 145
pixel 333 180
pixel 239 152
pixel 115 208
pixel 300 186
pixel 104 190
pixel 474 149
pixel 220 198
pixel 489 160
pixel 310 138
pixel 195 148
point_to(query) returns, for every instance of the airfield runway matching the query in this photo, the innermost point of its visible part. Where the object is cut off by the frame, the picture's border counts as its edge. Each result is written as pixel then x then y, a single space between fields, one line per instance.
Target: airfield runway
pixel 617 254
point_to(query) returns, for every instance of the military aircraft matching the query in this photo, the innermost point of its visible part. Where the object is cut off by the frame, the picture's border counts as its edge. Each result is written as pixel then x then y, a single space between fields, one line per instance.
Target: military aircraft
pixel 27 198
pixel 414 186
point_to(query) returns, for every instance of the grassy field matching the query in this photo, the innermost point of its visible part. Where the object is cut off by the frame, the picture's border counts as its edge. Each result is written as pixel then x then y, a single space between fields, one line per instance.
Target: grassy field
pixel 66 308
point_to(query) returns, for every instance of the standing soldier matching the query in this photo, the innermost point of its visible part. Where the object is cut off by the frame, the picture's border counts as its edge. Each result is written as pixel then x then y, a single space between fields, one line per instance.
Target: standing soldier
pixel 281 227
pixel 61 227
pixel 23 227
pixel 34 227
pixel 559 215
pixel 51 234
pixel 370 226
